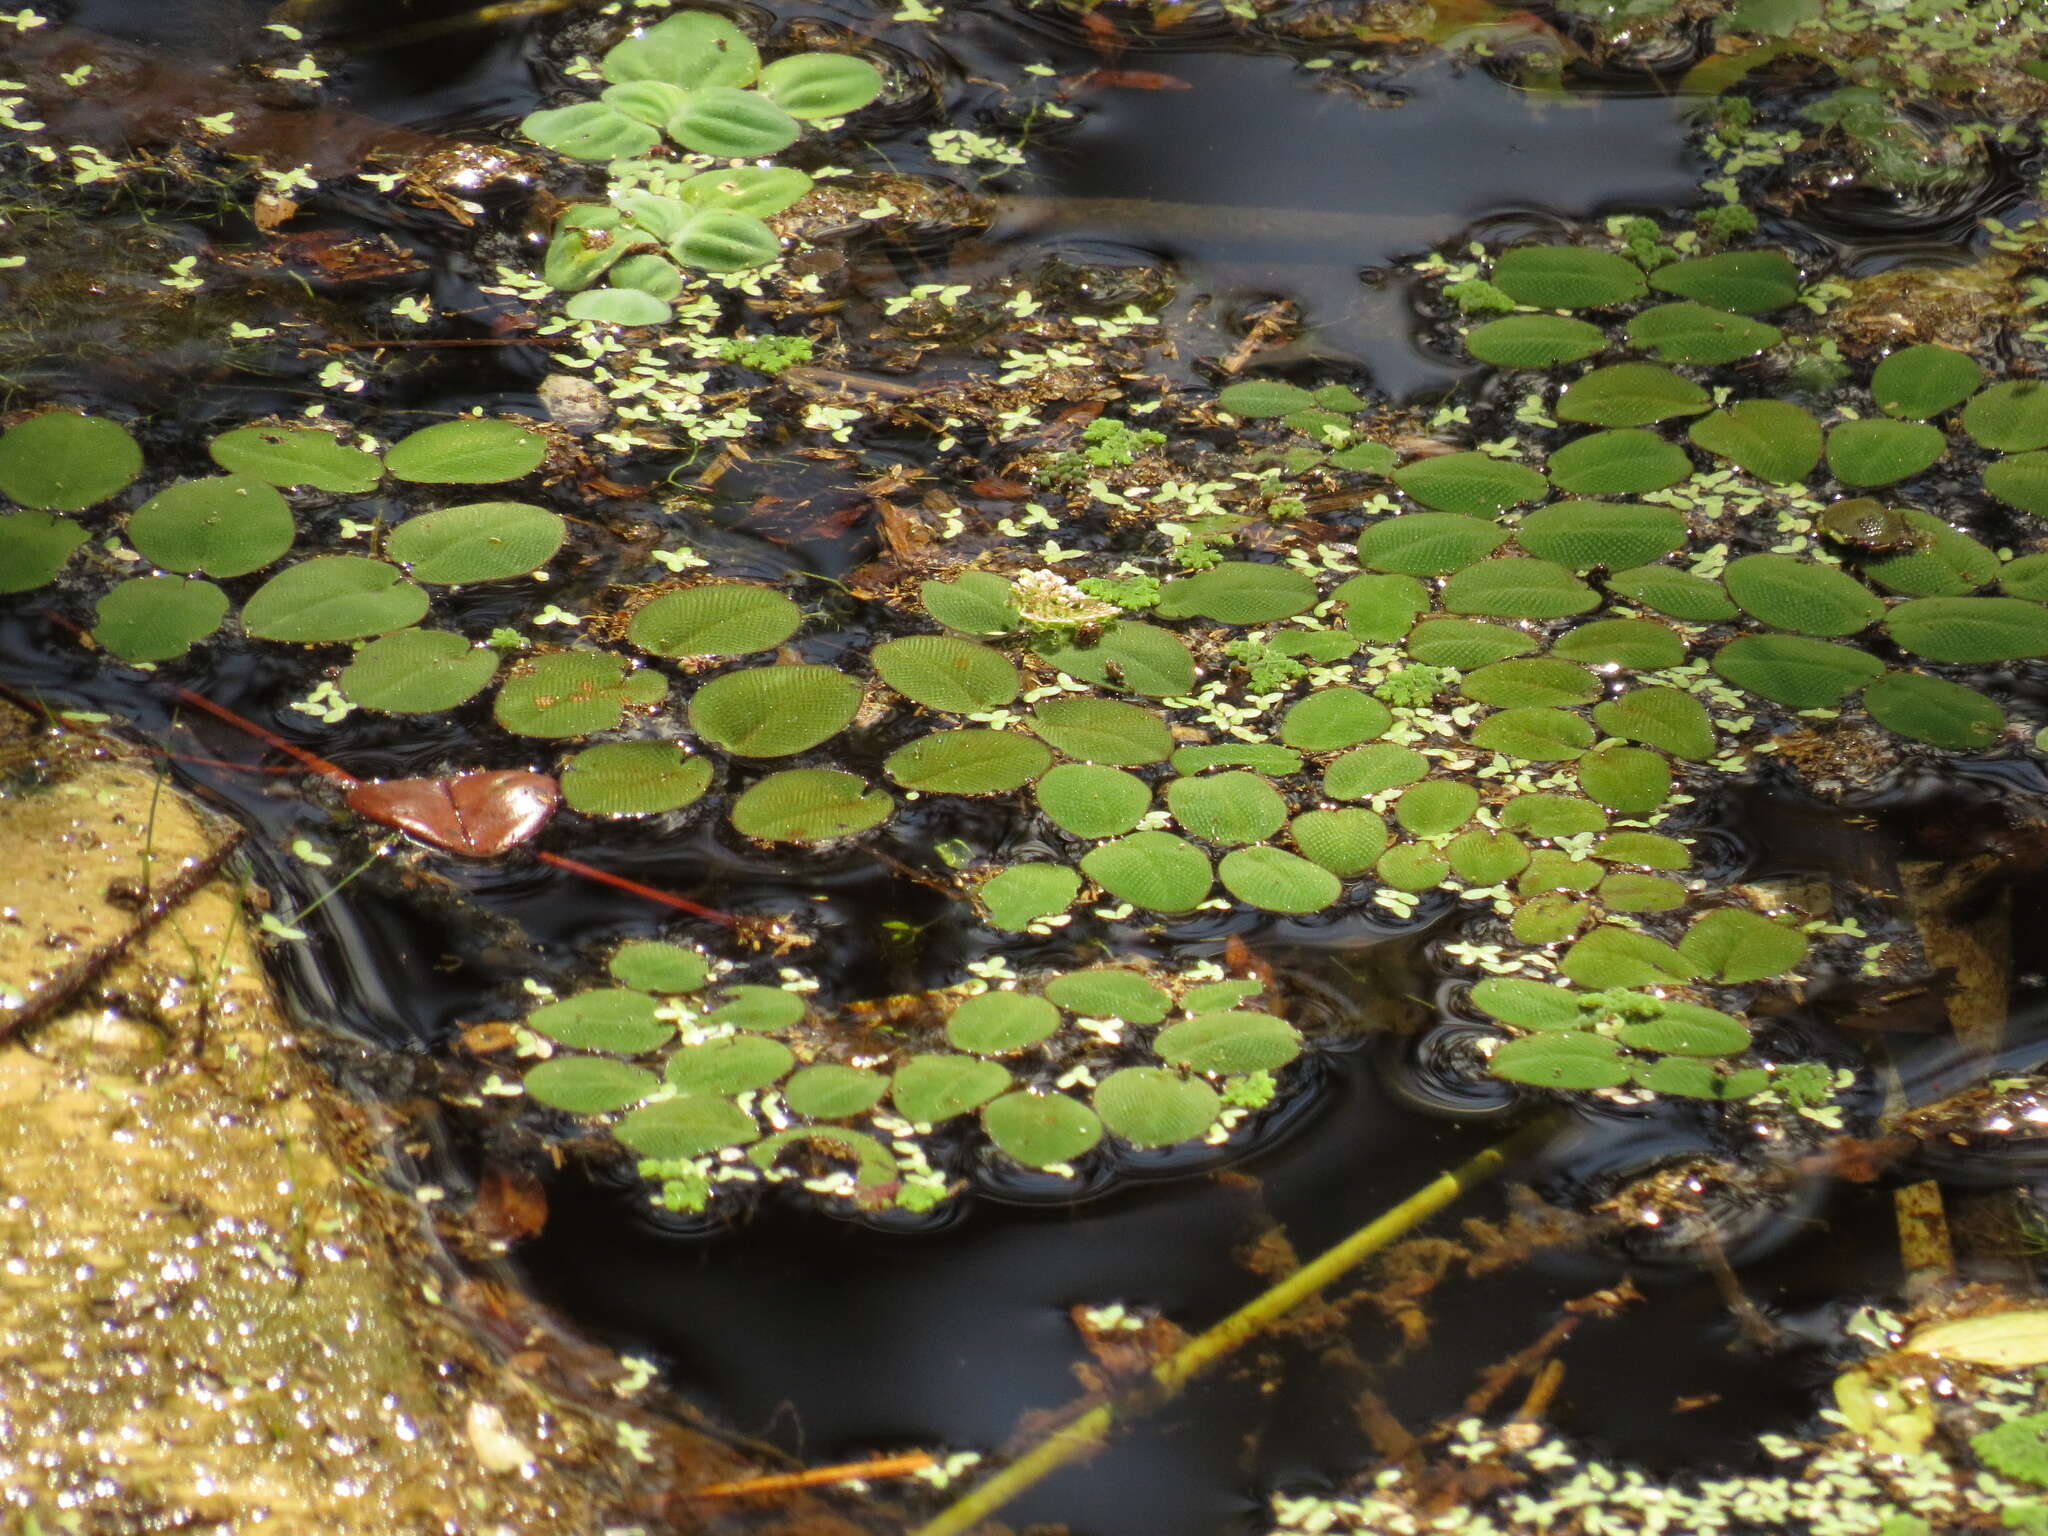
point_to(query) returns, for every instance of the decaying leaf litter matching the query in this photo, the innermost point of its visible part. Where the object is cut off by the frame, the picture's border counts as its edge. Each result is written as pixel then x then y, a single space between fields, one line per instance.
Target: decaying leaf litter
pixel 1316 545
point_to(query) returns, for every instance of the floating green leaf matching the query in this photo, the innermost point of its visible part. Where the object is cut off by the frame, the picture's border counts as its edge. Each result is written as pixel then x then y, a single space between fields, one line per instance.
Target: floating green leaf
pixel 1970 629
pixel 757 1008
pixel 590 130
pixel 1935 711
pixel 1109 992
pixel 735 1064
pixel 2017 1449
pixel 1652 850
pixel 1801 595
pixel 632 778
pixel 732 124
pixel 1545 815
pixel 1630 395
pixel 756 190
pixel 996 1023
pixel 603 1019
pixel 1435 807
pixel 730 618
pixel 1103 731
pixel 1383 608
pixel 1561 1061
pixel 1880 451
pixel 1534 734
pixel 157 618
pixel 1680 594
pixel 1470 484
pixel 469 451
pixel 297 456
pixel 1923 381
pixel 1259 756
pixel 1423 544
pixel 34 547
pixel 1152 1107
pixel 1229 808
pixel 589 239
pixel 1566 277
pixel 1155 870
pixel 774 711
pixel 1518 587
pixel 809 805
pixel 483 541
pixel 1534 341
pixel 333 597
pixel 1331 719
pixel 2011 417
pixel 1664 718
pixel 718 240
pixel 588 1085
pixel 692 49
pixel 1368 770
pixel 968 762
pixel 1800 673
pixel 1238 592
pixel 1465 643
pixel 61 461
pixel 1483 858
pixel 1019 896
pixel 572 693
pixel 815 85
pixel 1525 1004
pixel 654 966
pixel 1748 282
pixel 1126 654
pixel 1548 919
pixel 1620 462
pixel 1275 880
pixel 946 672
pixel 1772 439
pixel 2020 481
pixel 1041 1130
pixel 1693 333
pixel 1229 1042
pixel 1945 563
pixel 1347 843
pixel 830 1091
pixel 228 525
pixel 1260 399
pixel 1534 680
pixel 929 1089
pixel 1626 779
pixel 1687 1029
pixel 1732 944
pixel 1627 891
pixel 1089 800
pixel 1620 957
pixel 688 1125
pixel 418 672
pixel 620 306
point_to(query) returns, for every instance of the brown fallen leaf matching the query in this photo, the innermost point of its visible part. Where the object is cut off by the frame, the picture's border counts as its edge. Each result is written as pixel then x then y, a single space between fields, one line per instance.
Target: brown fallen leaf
pixel 473 814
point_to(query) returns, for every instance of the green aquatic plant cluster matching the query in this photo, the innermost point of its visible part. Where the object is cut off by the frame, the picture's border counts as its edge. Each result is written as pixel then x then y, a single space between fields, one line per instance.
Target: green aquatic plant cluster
pixel 1533 655
pixel 692 81
pixel 711 1082
pixel 196 533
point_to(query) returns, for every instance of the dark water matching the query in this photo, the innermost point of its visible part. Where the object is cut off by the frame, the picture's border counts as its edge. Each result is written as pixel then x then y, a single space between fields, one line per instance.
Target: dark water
pixel 1262 179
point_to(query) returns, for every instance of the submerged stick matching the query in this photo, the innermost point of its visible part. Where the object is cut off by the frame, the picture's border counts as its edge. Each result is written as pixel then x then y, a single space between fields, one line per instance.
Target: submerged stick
pixel 63 987
pixel 818 1477
pixel 1086 1433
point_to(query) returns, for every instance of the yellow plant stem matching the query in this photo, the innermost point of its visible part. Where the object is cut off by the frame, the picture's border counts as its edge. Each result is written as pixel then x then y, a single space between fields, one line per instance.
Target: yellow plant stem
pixel 1087 1432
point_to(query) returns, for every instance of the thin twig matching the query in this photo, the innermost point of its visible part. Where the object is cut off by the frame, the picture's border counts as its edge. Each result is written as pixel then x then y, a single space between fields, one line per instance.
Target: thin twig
pixel 1089 1430
pixel 620 882
pixel 63 986
pixel 816 1477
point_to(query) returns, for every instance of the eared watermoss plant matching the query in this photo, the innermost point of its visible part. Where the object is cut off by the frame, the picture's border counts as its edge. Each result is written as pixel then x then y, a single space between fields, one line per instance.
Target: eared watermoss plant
pixel 696 83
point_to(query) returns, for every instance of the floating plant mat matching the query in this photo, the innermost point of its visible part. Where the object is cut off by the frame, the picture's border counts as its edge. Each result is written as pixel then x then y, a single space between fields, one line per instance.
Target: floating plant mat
pixel 933 744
